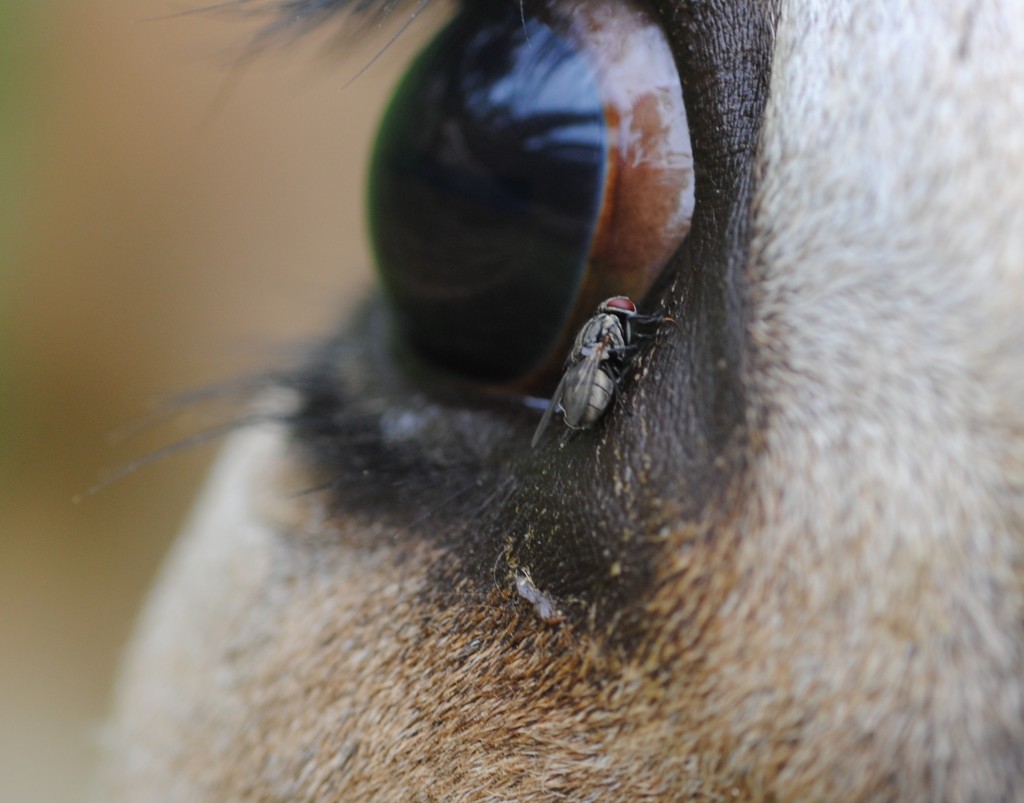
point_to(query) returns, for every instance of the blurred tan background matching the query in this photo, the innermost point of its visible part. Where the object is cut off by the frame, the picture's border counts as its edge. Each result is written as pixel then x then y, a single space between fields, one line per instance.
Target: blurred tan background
pixel 168 219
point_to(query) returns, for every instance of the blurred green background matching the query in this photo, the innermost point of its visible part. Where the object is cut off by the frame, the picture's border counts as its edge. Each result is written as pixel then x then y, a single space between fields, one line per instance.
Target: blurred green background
pixel 168 219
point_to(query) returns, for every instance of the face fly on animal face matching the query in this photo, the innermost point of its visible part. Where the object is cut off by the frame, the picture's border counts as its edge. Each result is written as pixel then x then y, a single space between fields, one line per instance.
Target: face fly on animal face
pixel 600 353
pixel 793 572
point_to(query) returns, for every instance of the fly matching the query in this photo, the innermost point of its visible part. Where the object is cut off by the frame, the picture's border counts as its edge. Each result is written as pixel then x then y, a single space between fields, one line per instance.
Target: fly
pixel 599 355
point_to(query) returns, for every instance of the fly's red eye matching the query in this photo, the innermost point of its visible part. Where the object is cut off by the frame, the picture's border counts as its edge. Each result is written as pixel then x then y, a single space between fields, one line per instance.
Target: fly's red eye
pixel 534 158
pixel 621 303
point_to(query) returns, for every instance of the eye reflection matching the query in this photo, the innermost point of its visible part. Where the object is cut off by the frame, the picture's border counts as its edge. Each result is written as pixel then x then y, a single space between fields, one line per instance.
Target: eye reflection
pixel 527 165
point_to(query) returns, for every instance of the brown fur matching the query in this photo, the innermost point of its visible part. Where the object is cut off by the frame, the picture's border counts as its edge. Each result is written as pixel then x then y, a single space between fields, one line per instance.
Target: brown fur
pixel 840 620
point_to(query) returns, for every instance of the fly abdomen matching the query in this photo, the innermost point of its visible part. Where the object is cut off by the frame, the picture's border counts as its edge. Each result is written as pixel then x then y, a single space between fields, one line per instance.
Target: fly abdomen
pixel 585 402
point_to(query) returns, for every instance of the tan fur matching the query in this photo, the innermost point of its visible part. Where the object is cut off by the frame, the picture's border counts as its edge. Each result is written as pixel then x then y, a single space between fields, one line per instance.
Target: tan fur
pixel 853 630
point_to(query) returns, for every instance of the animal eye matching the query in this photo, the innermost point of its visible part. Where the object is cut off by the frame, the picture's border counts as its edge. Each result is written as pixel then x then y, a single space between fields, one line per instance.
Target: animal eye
pixel 534 160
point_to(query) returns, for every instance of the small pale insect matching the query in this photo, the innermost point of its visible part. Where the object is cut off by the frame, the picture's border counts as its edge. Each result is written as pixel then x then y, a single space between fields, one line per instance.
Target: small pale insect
pixel 544 605
pixel 592 370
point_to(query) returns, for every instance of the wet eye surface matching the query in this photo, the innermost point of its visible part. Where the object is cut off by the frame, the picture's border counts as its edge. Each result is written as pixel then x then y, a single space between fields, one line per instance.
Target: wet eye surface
pixel 534 161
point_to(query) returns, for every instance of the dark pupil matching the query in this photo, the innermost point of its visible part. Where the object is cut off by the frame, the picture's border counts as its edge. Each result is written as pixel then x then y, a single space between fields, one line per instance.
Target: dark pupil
pixel 485 188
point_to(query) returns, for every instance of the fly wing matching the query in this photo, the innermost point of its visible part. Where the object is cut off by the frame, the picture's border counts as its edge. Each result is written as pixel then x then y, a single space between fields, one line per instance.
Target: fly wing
pixel 545 419
pixel 579 382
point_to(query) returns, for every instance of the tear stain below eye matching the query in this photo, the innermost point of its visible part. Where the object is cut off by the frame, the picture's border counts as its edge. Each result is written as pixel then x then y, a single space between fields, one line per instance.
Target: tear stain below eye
pixel 543 605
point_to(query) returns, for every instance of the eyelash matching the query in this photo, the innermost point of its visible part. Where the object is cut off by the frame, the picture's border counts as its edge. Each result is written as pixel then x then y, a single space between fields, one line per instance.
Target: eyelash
pixel 356 17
